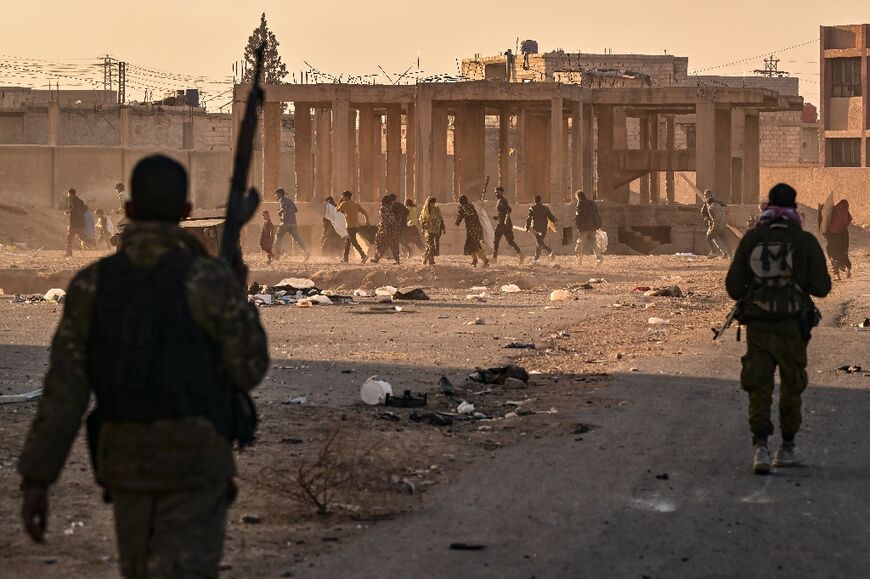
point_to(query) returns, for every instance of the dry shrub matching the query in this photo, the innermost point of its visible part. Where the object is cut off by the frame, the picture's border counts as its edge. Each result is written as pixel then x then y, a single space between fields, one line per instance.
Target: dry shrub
pixel 344 474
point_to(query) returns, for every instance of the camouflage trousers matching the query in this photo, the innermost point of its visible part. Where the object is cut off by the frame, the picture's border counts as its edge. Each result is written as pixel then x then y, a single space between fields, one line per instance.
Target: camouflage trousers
pixel 431 247
pixel 172 534
pixel 772 345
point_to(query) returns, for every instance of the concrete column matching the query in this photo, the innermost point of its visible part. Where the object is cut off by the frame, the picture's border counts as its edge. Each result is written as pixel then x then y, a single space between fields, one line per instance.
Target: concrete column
pixel 751 158
pixel 670 137
pixel 654 183
pixel 521 155
pixel 620 142
pixel 565 194
pixel 369 162
pixel 380 174
pixel 304 161
pixel 576 147
pixel 341 147
pixel 53 123
pixel 394 150
pixel 504 121
pixel 555 192
pixel 537 156
pixel 644 146
pixel 424 146
pixel 271 131
pixel 323 153
pixel 410 153
pixel 439 153
pixel 713 154
pixel 353 161
pixel 736 180
pixel 604 116
pixel 587 149
pixel 470 150
pixel 126 128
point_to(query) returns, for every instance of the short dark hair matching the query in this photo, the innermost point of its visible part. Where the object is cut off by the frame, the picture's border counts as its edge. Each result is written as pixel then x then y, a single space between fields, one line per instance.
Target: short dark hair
pixel 158 189
pixel 580 194
pixel 71 191
pixel 463 199
pixel 782 195
pixel 280 191
pixel 499 189
pixel 119 186
pixel 347 194
pixel 538 199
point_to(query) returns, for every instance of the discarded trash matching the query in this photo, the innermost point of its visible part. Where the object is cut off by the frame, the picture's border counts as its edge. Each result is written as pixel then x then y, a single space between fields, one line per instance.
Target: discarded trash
pixel 407 400
pixel 17 398
pixel 663 476
pixel 510 288
pixel 481 297
pixel 671 292
pixel 363 293
pixel 54 295
pixel 597 280
pixel 433 418
pixel 304 303
pixel 251 519
pixel 320 300
pixel 375 391
pixel 386 290
pixel 466 547
pixel 479 288
pixel 658 322
pixel 560 296
pixel 642 288
pixel 850 369
pixel 521 346
pixel 297 400
pixel 499 374
pixel 296 283
pixel 465 408
pixel 585 286
pixel 446 385
pixel 387 415
pixel 865 325
pixel 72 527
pixel 476 322
pixel 265 299
pixel 514 383
pixel 414 294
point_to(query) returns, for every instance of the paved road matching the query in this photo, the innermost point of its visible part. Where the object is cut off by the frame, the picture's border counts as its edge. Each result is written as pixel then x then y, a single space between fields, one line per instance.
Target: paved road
pixel 559 507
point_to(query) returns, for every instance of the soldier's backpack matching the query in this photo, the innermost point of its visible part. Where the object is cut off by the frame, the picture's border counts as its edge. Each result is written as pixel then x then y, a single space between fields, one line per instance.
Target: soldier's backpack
pixel 774 293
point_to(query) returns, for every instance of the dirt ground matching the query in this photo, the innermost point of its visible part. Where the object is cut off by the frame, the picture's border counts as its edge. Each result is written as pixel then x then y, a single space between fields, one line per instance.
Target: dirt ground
pixel 325 353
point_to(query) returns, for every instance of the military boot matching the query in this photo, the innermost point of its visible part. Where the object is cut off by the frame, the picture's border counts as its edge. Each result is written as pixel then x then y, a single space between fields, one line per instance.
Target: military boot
pixel 761 460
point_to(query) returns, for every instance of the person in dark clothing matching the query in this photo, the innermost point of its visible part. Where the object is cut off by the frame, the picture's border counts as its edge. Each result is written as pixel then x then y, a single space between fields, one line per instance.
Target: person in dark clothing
pixel 504 226
pixel 287 213
pixel 776 270
pixel 267 236
pixel 587 219
pixel 76 228
pixel 162 336
pixel 473 231
pixel 538 221
pixel 837 236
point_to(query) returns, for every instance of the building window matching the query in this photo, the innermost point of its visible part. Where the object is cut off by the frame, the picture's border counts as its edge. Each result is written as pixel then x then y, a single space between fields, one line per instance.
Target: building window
pixel 845 152
pixel 845 77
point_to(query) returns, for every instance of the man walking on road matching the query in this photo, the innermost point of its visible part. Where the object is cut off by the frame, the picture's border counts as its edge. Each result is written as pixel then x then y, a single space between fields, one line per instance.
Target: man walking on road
pixel 777 268
pixel 588 222
pixel 538 221
pixel 287 212
pixel 352 212
pixel 162 335
pixel 504 226
pixel 76 210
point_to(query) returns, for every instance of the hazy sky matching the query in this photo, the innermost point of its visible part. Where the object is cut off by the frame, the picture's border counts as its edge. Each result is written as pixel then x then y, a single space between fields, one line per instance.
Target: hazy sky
pixel 355 36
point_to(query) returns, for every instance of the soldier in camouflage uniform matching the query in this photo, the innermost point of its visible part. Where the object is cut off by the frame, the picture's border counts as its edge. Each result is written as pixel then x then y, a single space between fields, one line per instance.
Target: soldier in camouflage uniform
pixel 164 453
pixel 473 231
pixel 776 269
pixel 387 237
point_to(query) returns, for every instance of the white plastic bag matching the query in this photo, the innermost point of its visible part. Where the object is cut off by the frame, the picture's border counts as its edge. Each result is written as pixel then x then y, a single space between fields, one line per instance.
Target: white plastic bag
pixel 375 391
pixel 601 241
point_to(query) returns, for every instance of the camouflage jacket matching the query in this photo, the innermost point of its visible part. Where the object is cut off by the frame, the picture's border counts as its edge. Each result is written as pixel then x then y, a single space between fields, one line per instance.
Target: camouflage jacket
pixel 166 454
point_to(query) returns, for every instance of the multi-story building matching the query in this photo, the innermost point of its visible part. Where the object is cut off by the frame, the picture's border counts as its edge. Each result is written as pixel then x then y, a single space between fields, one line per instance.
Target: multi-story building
pixel 845 82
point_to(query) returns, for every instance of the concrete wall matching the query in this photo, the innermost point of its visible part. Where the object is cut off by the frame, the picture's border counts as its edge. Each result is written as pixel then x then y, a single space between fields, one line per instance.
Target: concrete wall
pixel 815 183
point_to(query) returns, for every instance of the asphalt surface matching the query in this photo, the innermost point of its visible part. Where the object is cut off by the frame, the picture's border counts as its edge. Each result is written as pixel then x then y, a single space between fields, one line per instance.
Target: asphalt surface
pixel 660 487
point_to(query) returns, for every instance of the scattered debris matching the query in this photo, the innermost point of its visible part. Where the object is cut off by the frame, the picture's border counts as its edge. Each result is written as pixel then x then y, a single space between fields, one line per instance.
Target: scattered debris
pixel 476 322
pixel 363 293
pixel 446 385
pixel 251 519
pixel 465 408
pixel 582 428
pixel 18 398
pixel 290 440
pixel 865 325
pixel 673 291
pixel 479 288
pixel 466 547
pixel 386 290
pixel 55 295
pixel 596 280
pixel 850 369
pixel 304 303
pixel 481 297
pixel 407 400
pixel 663 476
pixel 387 415
pixel 433 418
pixel 414 294
pixel 294 284
pixel 658 322
pixel 375 391
pixel 514 383
pixel 520 346
pixel 297 400
pixel 499 374
pixel 560 296
pixel 642 288
pixel 510 288
pixel 264 299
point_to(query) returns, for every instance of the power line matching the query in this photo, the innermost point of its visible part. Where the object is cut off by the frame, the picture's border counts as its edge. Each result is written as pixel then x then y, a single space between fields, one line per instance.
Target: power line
pixel 751 58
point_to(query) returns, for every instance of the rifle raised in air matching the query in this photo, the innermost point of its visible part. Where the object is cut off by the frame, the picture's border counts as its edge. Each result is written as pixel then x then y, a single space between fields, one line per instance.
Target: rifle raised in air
pixel 243 202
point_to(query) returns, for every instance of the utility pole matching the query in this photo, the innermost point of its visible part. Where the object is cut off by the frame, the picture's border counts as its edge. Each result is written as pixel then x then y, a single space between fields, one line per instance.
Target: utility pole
pixel 122 82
